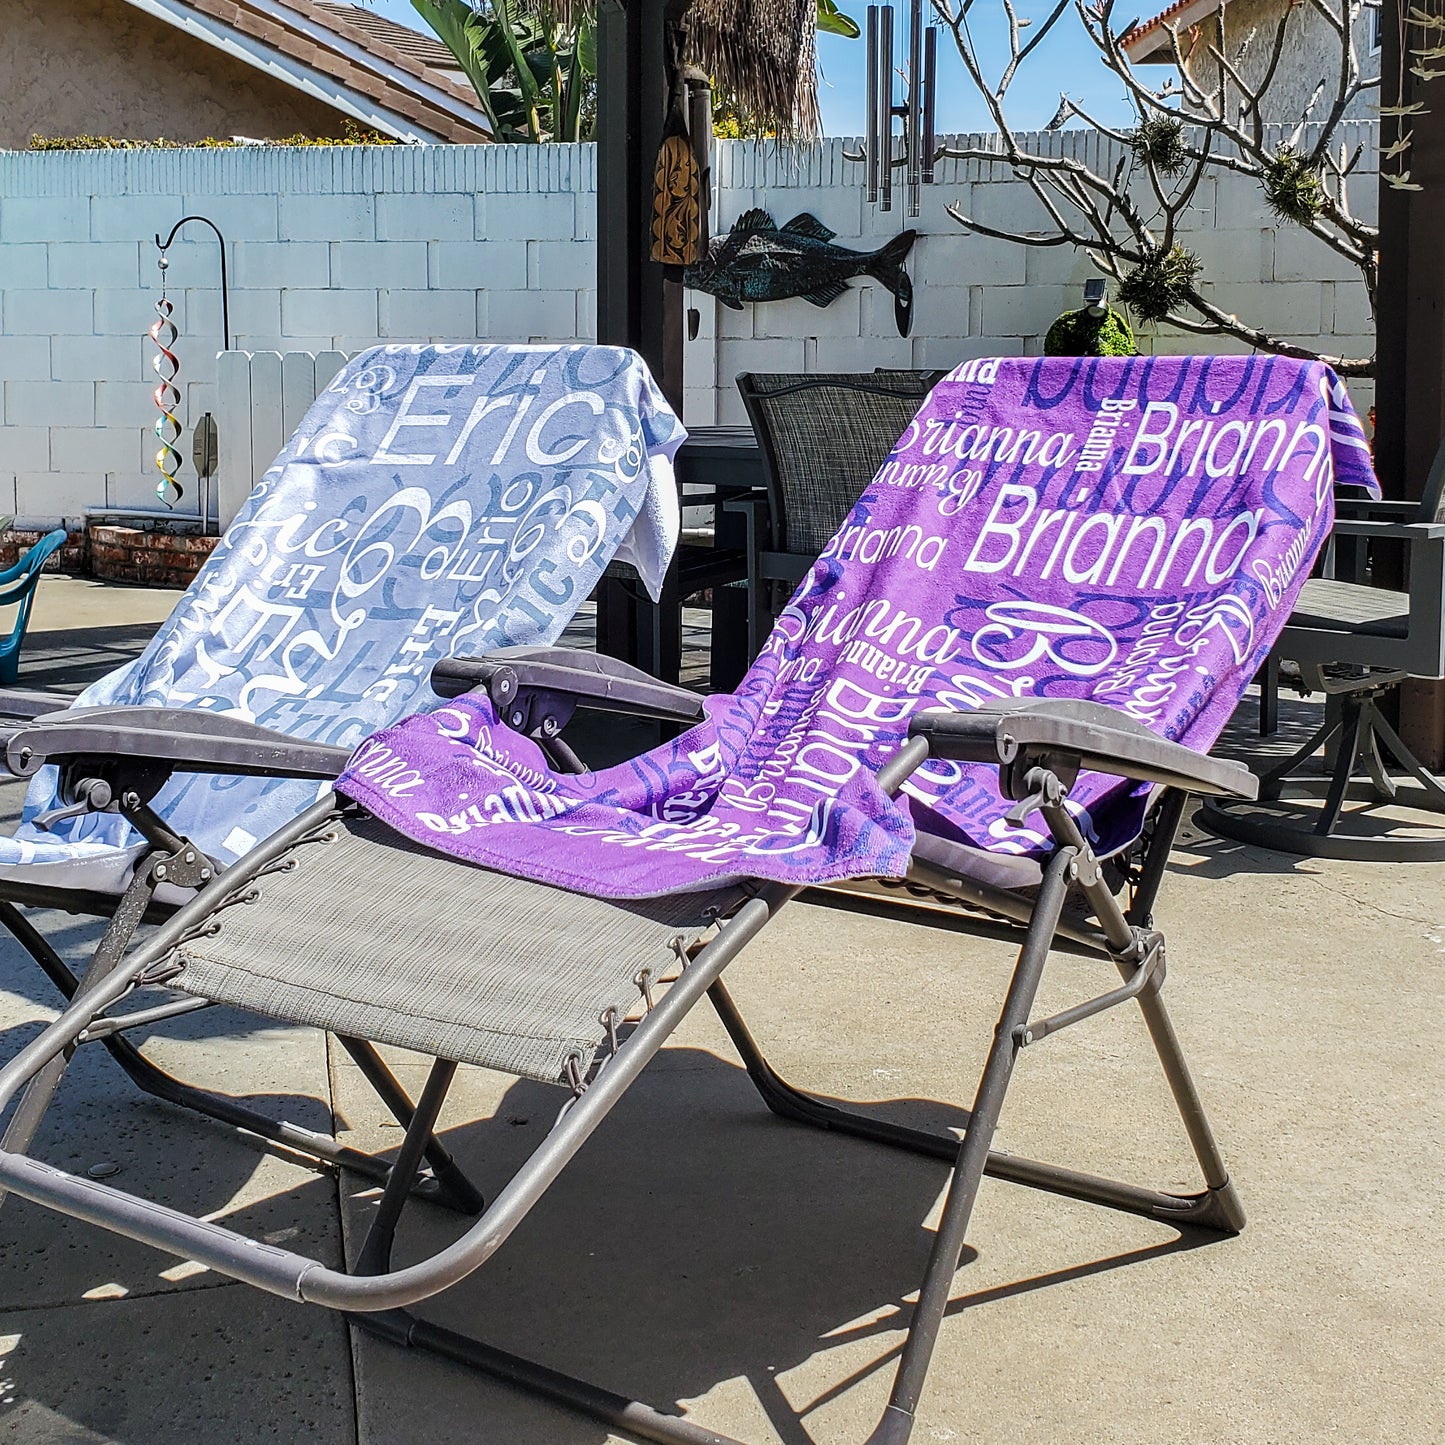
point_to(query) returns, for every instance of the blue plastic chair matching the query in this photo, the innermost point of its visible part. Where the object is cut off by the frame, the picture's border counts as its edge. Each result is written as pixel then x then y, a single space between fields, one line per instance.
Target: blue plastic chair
pixel 17 584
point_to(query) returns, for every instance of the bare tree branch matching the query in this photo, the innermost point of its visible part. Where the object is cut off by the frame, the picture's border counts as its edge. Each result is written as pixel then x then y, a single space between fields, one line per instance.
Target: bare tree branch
pixel 1129 222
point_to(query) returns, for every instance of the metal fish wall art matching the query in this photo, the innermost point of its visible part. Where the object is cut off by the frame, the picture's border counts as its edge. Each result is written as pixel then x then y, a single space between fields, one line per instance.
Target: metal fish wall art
pixel 759 261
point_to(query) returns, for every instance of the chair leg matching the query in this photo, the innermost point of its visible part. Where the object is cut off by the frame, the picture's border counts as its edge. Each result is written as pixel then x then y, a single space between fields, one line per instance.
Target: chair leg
pixel 1269 696
pixel 1216 1208
pixel 897 1423
pixel 451 1184
pixel 1345 760
pixel 41 1089
pixel 1222 1211
pixel 1380 779
pixel 375 1255
pixel 1273 781
pixel 1395 745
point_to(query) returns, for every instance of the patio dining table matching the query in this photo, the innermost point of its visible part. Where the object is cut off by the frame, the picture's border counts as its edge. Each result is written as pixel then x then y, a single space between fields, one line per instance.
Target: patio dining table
pixel 714 466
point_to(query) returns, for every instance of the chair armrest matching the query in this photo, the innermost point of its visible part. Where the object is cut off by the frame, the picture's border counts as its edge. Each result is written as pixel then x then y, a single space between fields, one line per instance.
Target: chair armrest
pixel 1397 531
pixel 184 740
pixel 591 679
pixel 31 703
pixel 1059 732
pixel 1363 509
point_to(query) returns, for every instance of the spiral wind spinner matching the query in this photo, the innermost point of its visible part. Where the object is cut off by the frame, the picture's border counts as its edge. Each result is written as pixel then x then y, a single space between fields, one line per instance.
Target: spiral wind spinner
pixel 167 396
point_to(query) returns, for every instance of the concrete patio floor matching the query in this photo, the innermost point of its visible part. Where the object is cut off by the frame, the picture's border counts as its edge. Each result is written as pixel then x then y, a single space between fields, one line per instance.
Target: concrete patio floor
pixel 705 1256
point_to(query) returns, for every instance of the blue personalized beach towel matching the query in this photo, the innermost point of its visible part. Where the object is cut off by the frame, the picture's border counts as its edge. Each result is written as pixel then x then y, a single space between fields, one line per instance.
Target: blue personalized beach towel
pixel 435 501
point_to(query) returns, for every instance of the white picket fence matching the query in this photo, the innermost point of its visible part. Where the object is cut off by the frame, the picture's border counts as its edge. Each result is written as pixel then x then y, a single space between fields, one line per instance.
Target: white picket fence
pixel 261 398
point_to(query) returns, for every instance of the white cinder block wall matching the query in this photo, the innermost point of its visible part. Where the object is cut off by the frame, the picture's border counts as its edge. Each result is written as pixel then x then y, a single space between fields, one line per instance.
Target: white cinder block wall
pixel 328 248
pixel 975 296
pixel 341 248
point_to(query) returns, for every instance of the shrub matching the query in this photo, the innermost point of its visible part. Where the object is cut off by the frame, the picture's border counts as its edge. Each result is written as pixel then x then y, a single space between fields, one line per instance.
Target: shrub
pixel 352 135
pixel 1076 333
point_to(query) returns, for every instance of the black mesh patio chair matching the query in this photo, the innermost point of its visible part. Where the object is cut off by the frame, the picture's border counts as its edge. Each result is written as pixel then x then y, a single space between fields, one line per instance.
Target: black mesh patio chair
pixel 823 438
pixel 1355 644
pixel 337 922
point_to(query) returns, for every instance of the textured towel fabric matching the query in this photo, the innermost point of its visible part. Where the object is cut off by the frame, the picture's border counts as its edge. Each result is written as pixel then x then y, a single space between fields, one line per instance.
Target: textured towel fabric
pixel 1133 532
pixel 435 501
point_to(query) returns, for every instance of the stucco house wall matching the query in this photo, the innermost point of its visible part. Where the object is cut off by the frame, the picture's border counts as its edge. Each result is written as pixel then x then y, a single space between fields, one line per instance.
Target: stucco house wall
pixel 102 67
pixel 1311 54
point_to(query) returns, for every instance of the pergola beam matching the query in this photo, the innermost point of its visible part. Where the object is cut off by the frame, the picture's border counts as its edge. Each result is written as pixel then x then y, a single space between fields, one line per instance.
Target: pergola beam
pixel 1410 336
pixel 636 305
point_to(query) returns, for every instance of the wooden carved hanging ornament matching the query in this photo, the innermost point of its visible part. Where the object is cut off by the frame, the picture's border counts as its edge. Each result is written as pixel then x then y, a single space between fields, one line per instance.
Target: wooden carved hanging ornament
pixel 676 193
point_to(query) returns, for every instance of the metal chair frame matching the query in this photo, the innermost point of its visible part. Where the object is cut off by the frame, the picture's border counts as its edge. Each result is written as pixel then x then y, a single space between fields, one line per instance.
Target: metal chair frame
pixel 1038 751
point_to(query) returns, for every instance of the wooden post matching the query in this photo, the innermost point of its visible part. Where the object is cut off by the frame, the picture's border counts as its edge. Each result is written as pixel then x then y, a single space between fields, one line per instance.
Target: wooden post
pixel 636 305
pixel 1410 371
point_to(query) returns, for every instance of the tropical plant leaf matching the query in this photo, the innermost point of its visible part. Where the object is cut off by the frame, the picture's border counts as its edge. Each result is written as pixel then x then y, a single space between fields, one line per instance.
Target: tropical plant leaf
pixel 455 25
pixel 587 46
pixel 832 21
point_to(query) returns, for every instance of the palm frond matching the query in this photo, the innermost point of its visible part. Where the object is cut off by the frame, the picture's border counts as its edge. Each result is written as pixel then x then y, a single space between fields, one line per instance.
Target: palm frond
pixel 761 52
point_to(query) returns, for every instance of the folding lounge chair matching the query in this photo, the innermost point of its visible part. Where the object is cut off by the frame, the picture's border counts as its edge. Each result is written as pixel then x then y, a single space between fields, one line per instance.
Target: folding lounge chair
pixel 434 499
pixel 341 921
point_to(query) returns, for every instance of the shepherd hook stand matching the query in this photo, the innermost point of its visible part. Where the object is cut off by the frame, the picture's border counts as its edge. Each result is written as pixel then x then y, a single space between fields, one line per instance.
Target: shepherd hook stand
pixel 225 285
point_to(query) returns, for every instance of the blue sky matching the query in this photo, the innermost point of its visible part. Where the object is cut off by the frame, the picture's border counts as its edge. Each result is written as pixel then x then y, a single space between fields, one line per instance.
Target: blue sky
pixel 1066 61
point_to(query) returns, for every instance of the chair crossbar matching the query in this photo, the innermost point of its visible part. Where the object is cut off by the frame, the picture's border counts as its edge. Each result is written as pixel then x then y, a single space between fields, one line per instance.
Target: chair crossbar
pixel 1150 970
pixel 140 1018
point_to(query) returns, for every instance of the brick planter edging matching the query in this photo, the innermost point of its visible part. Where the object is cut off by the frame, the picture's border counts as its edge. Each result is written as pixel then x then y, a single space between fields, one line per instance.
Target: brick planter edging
pixel 144 558
pixel 149 558
pixel 70 558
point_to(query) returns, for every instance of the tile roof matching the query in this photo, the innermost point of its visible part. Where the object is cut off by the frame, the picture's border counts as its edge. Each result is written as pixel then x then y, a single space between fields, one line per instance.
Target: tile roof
pixel 405 74
pixel 401 38
pixel 1141 30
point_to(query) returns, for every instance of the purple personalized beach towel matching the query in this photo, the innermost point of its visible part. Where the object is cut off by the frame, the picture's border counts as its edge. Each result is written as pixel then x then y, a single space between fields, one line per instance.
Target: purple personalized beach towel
pixel 1129 531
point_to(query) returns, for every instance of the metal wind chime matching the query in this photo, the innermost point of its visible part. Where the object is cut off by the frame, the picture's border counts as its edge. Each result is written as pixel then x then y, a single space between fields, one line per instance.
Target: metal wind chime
pixel 912 149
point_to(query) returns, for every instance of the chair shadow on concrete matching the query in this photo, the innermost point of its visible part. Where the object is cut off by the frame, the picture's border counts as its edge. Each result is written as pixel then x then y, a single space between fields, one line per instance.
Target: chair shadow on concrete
pixel 70 659
pixel 695 1241
pixel 698 1240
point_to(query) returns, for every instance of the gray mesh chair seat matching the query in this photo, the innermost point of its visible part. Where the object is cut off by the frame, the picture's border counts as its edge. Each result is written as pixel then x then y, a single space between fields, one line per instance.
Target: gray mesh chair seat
pixel 370 936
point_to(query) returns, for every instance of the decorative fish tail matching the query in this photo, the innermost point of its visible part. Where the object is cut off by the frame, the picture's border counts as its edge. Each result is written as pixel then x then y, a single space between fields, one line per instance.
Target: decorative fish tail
pixel 887 267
